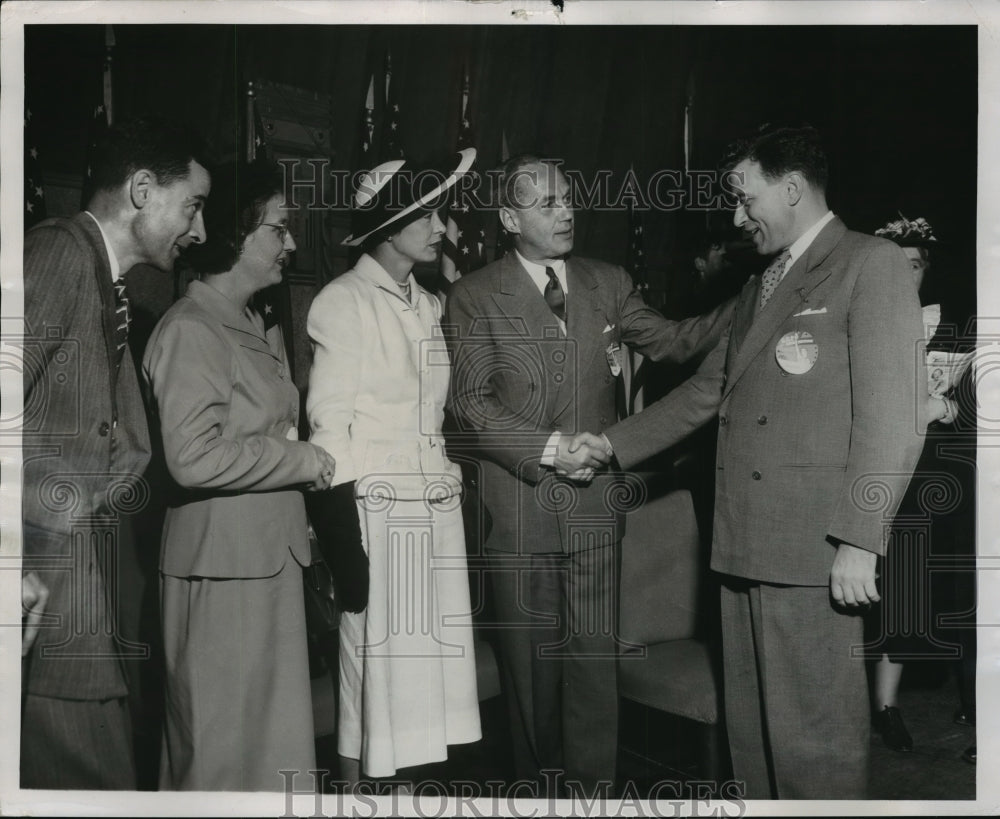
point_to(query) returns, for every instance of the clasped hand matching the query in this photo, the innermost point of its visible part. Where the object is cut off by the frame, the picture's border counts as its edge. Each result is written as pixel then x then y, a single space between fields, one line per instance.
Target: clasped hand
pixel 327 469
pixel 578 456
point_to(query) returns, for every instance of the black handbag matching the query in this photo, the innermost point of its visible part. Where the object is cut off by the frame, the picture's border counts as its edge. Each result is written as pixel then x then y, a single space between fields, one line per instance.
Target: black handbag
pixel 322 614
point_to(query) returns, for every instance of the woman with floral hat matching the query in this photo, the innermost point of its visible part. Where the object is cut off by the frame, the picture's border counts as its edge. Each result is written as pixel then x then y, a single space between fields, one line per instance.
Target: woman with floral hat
pixel 935 521
pixel 392 523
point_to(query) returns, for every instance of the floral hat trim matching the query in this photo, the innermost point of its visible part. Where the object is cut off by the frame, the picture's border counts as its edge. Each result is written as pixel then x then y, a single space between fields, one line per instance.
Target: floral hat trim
pixel 908 231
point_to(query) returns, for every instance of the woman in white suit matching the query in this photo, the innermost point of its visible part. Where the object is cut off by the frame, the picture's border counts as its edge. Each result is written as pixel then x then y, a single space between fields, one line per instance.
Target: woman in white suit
pixel 238 706
pixel 376 401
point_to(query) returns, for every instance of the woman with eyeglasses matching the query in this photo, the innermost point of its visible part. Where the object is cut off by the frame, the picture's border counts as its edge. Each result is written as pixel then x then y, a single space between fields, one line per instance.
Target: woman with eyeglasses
pixel 235 539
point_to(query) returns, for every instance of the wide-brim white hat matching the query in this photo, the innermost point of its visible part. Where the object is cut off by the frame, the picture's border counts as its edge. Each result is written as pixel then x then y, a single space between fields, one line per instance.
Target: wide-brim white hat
pixel 392 191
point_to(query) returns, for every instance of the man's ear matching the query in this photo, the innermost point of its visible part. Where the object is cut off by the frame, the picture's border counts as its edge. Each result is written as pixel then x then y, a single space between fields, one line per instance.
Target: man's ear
pixel 140 187
pixel 508 221
pixel 795 187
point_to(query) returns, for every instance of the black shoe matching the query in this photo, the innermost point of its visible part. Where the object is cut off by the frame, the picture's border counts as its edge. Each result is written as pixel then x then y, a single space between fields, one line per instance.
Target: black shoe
pixel 965 717
pixel 889 723
pixel 969 754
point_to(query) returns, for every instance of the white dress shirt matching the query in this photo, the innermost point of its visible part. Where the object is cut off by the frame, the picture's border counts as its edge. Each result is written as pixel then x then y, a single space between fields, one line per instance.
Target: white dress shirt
pixel 115 268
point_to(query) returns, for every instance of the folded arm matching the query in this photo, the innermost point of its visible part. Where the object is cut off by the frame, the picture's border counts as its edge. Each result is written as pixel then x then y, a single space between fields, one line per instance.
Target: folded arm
pixel 189 369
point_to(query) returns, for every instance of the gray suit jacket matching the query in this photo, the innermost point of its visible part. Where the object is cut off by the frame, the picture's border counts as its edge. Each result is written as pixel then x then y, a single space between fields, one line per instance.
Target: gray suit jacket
pixel 85 444
pixel 516 379
pixel 226 405
pixel 807 460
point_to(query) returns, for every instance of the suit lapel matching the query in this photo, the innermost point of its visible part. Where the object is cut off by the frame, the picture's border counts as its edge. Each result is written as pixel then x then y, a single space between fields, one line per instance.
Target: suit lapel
pixel 530 318
pixel 105 288
pixel 805 275
pixel 244 332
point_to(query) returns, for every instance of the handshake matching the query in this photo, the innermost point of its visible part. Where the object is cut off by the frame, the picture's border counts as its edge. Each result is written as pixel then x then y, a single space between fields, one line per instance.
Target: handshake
pixel 578 456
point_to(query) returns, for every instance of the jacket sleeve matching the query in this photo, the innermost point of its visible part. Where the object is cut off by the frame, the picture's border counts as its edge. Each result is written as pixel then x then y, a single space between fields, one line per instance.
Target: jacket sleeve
pixel 334 327
pixel 54 264
pixel 189 369
pixel 888 393
pixel 511 438
pixel 675 416
pixel 662 339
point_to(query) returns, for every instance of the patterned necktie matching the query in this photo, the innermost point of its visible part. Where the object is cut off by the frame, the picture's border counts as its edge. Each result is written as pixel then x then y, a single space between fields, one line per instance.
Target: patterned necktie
pixel 554 295
pixel 772 276
pixel 123 317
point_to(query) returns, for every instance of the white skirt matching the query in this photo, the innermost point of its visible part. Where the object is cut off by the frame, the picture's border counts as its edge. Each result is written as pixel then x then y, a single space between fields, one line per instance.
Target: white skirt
pixel 407 666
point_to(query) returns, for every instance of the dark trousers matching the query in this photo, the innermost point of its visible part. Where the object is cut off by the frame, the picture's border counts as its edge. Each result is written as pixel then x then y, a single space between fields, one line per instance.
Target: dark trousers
pixel 559 616
pixel 76 744
pixel 796 699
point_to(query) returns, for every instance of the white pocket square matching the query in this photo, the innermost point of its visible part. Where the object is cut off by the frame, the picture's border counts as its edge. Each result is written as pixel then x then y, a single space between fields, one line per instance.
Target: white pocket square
pixel 608 328
pixel 810 312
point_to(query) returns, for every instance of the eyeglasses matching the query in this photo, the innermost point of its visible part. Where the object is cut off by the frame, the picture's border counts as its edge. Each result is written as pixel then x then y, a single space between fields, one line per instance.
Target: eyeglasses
pixel 283 230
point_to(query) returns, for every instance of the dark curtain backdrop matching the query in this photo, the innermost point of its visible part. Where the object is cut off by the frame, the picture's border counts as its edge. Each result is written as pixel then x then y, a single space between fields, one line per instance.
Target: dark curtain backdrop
pixel 897 103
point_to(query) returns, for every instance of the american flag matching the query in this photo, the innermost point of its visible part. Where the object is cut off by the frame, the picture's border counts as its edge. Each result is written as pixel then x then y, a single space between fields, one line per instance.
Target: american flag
pixel 391 147
pixel 505 241
pixel 367 129
pixel 34 189
pixel 464 243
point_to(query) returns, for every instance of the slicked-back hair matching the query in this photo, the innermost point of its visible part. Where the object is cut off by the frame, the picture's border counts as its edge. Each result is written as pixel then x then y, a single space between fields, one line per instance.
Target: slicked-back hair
pixel 512 172
pixel 781 150
pixel 149 142
pixel 235 209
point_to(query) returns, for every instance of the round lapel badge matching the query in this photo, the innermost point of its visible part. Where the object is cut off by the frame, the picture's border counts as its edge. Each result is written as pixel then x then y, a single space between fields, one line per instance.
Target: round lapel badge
pixel 796 352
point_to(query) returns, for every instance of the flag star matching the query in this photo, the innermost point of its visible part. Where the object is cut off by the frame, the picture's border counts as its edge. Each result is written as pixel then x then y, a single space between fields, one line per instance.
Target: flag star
pixel 461 233
pixel 99 110
pixel 39 193
pixel 465 250
pixel 268 309
pixel 394 126
pixel 28 114
pixel 34 153
pixel 395 107
pixel 29 206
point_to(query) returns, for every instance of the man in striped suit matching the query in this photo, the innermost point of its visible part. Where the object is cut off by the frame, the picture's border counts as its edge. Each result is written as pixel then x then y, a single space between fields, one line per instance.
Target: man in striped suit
pixel 86 444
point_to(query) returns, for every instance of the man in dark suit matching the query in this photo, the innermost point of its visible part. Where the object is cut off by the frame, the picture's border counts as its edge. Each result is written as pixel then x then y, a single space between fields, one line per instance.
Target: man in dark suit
pixel 86 444
pixel 820 391
pixel 537 341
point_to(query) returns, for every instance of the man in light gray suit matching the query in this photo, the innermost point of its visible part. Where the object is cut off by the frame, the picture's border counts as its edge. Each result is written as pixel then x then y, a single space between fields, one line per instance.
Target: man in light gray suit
pixel 820 390
pixel 537 341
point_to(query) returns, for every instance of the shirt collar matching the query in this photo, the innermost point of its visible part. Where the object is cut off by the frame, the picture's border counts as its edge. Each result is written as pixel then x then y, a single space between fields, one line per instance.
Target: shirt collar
pixel 538 274
pixel 115 267
pixel 374 272
pixel 801 245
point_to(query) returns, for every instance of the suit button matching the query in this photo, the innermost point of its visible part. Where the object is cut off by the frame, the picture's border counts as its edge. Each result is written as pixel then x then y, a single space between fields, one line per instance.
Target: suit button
pixel 762 420
pixel 755 475
pixel 604 420
pixel 104 429
pixel 723 420
pixel 558 378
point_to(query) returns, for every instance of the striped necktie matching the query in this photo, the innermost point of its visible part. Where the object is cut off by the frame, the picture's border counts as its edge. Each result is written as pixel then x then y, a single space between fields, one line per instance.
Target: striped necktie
pixel 123 317
pixel 772 277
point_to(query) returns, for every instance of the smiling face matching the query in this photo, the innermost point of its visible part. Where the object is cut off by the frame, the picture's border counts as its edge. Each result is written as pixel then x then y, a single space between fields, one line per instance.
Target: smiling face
pixel 764 213
pixel 542 217
pixel 265 251
pixel 171 215
pixel 420 240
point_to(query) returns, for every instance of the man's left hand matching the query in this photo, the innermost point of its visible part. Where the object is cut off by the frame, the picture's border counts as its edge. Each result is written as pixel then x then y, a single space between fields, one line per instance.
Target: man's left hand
pixel 852 578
